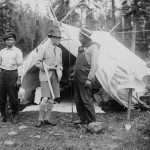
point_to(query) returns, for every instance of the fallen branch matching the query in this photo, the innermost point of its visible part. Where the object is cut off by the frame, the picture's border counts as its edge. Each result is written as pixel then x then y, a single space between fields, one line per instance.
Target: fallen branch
pixel 141 102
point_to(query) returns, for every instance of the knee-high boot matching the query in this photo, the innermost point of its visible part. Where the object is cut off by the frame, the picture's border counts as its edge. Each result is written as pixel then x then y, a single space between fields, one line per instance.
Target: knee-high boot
pixel 42 108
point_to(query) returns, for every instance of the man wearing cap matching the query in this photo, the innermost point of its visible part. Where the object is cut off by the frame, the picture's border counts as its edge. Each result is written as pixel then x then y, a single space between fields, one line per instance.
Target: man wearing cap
pixel 51 55
pixel 11 59
pixel 85 69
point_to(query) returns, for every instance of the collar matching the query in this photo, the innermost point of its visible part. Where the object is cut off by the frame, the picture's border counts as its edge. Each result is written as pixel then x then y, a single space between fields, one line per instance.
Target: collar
pixel 10 48
pixel 89 43
pixel 81 49
pixel 86 45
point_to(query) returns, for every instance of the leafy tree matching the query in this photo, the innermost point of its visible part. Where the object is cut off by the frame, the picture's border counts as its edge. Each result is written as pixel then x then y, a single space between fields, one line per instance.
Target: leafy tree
pixel 26 23
pixel 136 14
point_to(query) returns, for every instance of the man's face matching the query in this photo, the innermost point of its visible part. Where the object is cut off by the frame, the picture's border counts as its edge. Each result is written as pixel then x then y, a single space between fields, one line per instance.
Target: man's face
pixel 82 38
pixel 55 41
pixel 10 41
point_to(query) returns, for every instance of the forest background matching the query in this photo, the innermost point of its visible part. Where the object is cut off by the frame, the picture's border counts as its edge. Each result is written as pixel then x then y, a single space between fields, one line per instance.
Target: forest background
pixel 126 20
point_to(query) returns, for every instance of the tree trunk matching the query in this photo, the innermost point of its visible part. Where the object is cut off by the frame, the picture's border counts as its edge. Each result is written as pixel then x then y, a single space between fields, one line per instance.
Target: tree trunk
pixel 37 25
pixel 123 27
pixel 113 13
pixel 83 17
pixel 133 44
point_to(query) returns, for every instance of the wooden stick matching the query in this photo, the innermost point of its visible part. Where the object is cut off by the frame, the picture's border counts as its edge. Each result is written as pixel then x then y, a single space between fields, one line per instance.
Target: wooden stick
pixel 52 12
pixel 49 83
pixel 114 27
pixel 141 102
pixel 129 104
pixel 70 12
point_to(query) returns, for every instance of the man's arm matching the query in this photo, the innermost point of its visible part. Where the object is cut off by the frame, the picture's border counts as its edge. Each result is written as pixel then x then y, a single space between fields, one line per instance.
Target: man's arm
pixel 148 64
pixel 94 52
pixel 39 62
pixel 40 57
pixel 19 62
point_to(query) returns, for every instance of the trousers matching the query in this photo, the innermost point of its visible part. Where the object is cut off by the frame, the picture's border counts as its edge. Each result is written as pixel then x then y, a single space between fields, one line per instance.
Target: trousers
pixel 8 79
pixel 84 102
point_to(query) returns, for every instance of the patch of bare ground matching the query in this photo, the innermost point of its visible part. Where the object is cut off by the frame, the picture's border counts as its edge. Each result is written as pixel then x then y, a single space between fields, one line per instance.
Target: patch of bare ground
pixel 66 136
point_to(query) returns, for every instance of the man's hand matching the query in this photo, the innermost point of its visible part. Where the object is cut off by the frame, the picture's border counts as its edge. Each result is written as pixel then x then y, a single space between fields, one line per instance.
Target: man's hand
pixel 148 64
pixel 52 68
pixel 71 77
pixel 88 84
pixel 18 83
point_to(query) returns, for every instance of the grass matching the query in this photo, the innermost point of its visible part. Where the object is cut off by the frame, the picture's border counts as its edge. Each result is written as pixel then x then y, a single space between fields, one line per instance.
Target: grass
pixel 65 136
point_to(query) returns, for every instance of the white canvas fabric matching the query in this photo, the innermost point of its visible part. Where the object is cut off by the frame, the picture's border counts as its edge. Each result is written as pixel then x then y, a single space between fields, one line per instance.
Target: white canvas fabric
pixel 115 61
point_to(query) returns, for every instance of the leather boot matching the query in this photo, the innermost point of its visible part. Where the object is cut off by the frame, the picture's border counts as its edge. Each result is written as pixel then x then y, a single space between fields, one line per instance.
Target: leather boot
pixel 49 123
pixel 39 124
pixel 14 119
pixel 3 115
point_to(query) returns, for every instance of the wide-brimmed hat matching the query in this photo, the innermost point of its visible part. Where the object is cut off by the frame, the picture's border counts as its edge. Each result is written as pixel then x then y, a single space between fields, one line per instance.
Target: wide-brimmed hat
pixel 55 33
pixel 86 31
pixel 8 35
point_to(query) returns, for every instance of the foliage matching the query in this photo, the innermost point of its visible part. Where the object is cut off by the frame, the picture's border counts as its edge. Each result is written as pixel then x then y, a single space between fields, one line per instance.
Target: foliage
pixel 31 27
pixel 26 23
pixel 137 12
pixel 95 14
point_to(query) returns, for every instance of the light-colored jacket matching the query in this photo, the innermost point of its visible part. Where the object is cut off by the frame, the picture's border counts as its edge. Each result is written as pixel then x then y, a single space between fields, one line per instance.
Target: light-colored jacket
pixel 52 56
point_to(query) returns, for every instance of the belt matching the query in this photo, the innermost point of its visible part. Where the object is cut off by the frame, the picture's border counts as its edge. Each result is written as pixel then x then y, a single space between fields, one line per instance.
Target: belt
pixel 8 70
pixel 82 68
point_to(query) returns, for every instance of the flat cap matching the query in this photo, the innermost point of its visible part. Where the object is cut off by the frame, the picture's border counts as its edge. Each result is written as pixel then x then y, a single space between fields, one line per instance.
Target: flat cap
pixel 8 35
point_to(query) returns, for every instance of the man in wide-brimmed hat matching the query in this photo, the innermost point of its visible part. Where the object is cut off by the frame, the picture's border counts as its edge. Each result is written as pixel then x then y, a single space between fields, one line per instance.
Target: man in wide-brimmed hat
pixel 85 69
pixel 52 57
pixel 10 76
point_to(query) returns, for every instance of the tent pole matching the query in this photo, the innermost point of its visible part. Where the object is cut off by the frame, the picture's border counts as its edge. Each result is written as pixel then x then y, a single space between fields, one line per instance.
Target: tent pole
pixel 114 27
pixel 70 12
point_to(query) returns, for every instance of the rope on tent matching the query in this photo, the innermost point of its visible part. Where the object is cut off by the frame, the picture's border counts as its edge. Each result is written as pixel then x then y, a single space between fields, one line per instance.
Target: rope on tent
pixel 132 31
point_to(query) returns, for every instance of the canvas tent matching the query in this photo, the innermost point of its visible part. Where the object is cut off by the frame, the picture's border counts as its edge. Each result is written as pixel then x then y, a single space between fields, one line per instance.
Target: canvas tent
pixel 114 63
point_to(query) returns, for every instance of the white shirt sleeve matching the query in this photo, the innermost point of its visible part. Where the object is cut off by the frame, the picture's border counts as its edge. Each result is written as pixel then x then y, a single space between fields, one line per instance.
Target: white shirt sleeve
pixel 19 61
